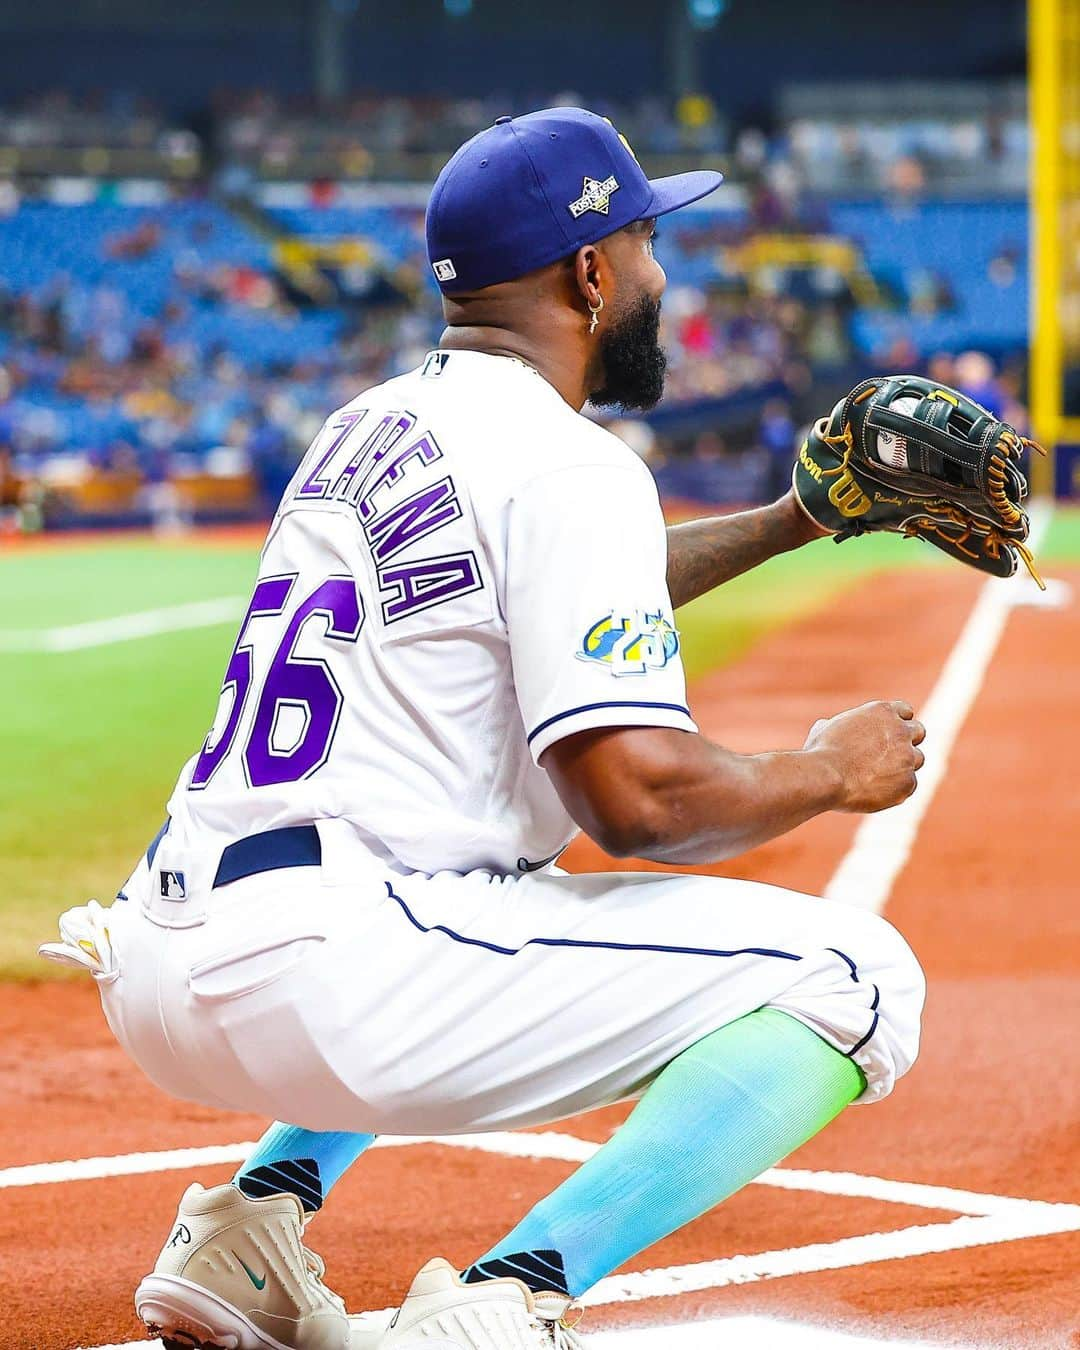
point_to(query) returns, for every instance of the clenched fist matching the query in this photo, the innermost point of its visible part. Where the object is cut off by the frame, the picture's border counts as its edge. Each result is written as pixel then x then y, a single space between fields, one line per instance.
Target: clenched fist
pixel 874 749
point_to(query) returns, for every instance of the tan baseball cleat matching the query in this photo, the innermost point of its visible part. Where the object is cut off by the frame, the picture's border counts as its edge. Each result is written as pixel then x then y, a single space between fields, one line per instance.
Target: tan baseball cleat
pixel 235 1275
pixel 442 1313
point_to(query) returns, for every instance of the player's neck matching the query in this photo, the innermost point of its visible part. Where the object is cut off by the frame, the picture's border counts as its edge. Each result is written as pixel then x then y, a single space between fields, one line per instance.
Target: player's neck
pixel 562 369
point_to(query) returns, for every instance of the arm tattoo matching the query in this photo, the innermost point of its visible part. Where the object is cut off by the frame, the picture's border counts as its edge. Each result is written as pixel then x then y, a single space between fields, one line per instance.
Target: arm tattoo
pixel 705 553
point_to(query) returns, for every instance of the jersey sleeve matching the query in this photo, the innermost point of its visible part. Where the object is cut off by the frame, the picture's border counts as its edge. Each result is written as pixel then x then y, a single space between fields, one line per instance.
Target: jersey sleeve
pixel 592 635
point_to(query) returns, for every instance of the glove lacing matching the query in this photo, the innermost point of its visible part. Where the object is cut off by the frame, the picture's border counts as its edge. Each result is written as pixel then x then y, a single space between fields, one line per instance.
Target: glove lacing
pixel 1007 444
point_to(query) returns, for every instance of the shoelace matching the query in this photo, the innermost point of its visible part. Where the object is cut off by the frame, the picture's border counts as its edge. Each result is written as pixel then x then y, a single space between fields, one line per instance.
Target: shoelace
pixel 561 1331
pixel 316 1268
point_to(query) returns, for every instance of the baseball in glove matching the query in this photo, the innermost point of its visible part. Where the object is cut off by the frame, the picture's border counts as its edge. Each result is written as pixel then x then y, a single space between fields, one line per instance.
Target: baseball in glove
pixel 902 453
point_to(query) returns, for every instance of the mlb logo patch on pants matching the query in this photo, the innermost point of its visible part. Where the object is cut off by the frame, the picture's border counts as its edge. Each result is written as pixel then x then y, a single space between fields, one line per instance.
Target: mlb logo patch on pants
pixel 173 886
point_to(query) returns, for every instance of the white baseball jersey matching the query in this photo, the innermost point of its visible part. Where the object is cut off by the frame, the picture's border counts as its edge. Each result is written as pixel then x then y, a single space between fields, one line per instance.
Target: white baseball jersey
pixel 462 571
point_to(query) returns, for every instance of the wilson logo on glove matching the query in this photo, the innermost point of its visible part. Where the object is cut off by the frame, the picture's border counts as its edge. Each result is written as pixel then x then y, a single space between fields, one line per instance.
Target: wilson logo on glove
pixel 848 497
pixel 812 467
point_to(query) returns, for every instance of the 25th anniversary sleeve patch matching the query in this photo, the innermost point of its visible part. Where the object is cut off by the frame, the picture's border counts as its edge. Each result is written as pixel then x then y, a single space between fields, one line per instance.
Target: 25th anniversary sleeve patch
pixel 630 642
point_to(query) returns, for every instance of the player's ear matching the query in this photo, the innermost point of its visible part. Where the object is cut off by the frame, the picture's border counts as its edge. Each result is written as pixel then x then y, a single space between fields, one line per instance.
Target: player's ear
pixel 588 274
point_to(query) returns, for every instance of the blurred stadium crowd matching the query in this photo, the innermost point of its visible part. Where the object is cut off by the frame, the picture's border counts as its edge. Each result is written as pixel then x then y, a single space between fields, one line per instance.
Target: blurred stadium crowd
pixel 171 341
pixel 872 136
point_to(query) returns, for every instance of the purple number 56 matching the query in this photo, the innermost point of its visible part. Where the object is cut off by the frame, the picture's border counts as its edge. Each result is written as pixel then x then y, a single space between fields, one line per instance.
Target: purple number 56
pixel 304 683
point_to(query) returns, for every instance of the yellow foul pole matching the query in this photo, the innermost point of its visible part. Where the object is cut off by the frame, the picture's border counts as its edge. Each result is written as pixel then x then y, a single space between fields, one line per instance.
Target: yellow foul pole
pixel 1045 115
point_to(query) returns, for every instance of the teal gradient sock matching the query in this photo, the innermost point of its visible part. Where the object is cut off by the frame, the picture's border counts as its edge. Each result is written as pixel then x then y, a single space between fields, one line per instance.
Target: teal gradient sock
pixel 306 1163
pixel 721 1113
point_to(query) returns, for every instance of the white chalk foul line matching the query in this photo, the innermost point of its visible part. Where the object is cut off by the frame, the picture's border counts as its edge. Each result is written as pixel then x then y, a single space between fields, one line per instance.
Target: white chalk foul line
pixel 985 1219
pixel 775 1333
pixel 550 1146
pixel 883 842
pixel 853 1251
pixel 123 628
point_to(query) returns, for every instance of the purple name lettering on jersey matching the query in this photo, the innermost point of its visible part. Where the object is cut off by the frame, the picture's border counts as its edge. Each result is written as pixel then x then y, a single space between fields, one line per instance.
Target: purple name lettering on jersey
pixel 314 486
pixel 369 475
pixel 427 582
pixel 378 444
pixel 424 449
pixel 415 518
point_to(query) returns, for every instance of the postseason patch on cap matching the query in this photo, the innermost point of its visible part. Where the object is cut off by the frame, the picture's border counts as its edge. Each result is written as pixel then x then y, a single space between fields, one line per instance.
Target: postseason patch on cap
pixel 595 196
pixel 444 270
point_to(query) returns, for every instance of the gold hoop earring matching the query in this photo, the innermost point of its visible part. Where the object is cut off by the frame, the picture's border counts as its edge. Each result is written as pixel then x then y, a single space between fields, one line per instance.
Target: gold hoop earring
pixel 594 313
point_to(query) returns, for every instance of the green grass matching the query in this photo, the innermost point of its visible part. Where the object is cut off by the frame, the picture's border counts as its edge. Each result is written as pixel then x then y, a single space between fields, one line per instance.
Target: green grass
pixel 1062 543
pixel 93 740
pixel 66 585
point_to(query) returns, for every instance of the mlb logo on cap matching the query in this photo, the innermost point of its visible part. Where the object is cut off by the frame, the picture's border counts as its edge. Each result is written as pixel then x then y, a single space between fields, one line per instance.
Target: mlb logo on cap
pixel 530 190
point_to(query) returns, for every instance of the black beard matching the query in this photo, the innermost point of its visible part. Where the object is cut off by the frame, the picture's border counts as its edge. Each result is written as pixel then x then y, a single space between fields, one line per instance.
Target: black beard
pixel 631 359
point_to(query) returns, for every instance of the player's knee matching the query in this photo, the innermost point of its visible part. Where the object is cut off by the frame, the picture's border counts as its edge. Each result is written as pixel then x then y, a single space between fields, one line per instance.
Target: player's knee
pixel 901 969
pixel 898 978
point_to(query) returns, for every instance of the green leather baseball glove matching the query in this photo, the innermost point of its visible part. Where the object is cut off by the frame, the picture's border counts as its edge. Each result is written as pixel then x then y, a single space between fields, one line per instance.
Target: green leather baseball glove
pixel 902 453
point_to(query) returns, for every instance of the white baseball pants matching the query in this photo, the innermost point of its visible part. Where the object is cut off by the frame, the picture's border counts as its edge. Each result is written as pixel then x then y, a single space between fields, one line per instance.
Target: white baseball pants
pixel 348 997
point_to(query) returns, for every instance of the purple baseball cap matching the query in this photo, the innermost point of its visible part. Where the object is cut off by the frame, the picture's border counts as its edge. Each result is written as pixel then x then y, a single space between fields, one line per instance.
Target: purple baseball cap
pixel 532 189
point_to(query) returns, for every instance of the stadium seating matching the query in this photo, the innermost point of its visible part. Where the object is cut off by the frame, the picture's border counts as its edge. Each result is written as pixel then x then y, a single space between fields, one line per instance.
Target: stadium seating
pixel 978 250
pixel 133 308
pixel 42 241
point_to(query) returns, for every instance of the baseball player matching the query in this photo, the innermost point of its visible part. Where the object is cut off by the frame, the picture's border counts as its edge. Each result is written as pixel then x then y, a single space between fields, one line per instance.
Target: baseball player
pixel 461 649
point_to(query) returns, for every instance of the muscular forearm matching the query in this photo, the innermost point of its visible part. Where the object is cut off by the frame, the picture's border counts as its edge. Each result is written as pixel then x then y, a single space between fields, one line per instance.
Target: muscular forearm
pixel 706 553
pixel 652 792
pixel 729 803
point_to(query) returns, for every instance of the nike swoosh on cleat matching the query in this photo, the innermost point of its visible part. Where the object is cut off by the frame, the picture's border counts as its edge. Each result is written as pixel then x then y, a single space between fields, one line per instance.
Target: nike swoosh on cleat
pixel 255 1280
